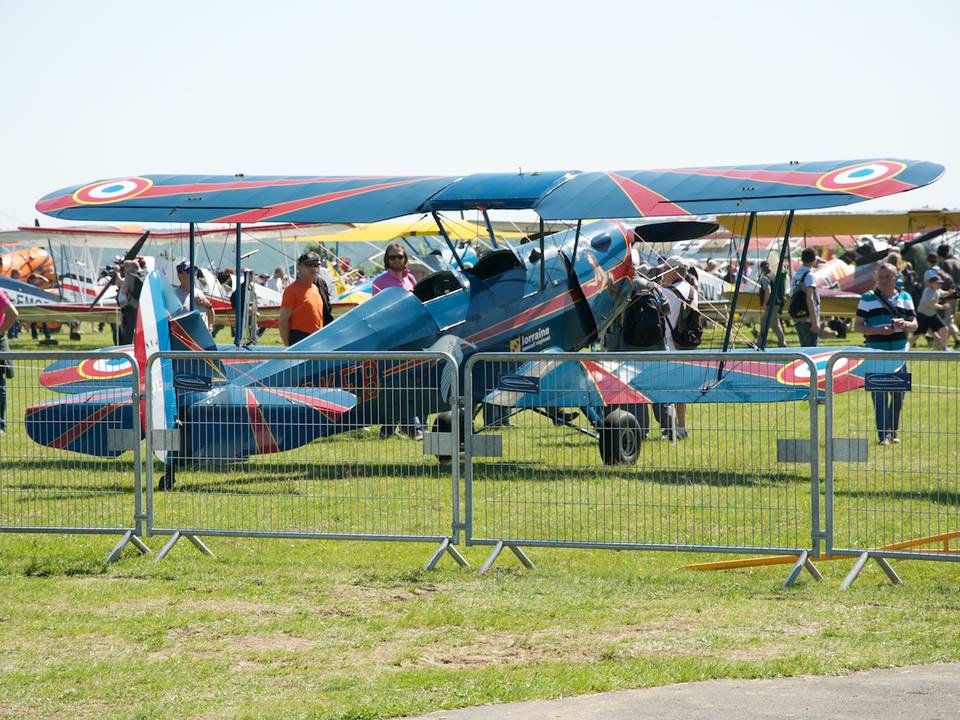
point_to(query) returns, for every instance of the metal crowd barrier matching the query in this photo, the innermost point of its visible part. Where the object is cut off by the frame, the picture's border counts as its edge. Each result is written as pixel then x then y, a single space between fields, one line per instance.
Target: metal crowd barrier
pixel 44 486
pixel 745 479
pixel 281 450
pixel 892 481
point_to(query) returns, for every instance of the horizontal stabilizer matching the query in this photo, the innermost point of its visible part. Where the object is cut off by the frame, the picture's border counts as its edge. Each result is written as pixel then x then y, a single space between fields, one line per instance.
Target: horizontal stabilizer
pixel 82 423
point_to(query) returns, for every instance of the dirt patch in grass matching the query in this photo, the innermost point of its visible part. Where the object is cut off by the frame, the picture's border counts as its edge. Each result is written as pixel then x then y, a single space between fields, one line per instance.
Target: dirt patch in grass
pixel 270 642
pixel 514 648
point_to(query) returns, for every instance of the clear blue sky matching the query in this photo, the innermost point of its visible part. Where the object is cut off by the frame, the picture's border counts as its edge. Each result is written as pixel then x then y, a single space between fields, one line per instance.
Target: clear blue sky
pixel 106 89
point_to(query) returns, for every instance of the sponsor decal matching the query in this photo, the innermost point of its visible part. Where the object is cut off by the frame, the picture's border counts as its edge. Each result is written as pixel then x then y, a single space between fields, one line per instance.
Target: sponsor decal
pixel 519 383
pixel 889 382
pixel 541 337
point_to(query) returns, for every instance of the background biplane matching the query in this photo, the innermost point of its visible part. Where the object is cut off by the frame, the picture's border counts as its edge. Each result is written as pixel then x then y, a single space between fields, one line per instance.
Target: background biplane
pixel 558 293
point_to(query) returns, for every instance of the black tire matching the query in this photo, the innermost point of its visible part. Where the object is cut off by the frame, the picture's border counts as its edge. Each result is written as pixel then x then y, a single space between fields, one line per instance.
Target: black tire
pixel 443 423
pixel 620 439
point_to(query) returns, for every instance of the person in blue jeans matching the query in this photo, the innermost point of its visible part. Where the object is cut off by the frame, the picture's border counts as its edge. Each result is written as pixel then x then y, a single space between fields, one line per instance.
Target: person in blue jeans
pixel 8 316
pixel 886 316
pixel 808 328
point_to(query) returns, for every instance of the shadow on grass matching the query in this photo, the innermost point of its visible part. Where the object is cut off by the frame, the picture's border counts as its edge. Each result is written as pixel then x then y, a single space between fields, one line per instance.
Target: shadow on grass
pixel 715 478
pixel 937 497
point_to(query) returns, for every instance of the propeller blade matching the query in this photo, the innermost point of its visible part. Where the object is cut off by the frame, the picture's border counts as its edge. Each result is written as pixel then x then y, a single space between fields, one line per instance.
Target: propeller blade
pixel 113 279
pixel 927 236
pixel 134 251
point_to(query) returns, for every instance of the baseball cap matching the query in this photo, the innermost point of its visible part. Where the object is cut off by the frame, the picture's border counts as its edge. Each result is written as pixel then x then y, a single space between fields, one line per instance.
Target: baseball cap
pixel 932 274
pixel 676 262
pixel 183 267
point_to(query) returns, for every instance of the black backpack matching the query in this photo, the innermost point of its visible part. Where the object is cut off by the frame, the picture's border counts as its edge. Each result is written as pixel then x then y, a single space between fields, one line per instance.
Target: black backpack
pixel 798 299
pixel 325 296
pixel 688 333
pixel 643 324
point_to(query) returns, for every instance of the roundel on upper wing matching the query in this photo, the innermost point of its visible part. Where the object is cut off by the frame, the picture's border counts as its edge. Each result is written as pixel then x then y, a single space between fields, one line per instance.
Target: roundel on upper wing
pixel 108 191
pixel 858 176
pixel 798 372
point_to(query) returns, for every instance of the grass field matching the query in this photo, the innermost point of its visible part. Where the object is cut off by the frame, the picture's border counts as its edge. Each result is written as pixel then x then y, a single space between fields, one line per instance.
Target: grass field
pixel 343 629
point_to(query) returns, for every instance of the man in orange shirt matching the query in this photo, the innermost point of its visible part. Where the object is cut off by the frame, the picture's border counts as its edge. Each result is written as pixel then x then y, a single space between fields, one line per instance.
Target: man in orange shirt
pixel 301 310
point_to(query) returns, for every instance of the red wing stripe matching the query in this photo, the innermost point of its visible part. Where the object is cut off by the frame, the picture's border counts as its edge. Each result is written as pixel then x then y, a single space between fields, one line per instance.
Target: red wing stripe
pixel 326 407
pixel 261 214
pixel 262 436
pixel 612 389
pixel 83 426
pixel 798 179
pixel 647 201
pixel 156 191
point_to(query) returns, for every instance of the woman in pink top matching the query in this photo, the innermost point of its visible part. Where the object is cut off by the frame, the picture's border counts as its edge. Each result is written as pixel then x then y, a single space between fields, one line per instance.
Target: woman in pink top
pixel 396 273
pixel 8 316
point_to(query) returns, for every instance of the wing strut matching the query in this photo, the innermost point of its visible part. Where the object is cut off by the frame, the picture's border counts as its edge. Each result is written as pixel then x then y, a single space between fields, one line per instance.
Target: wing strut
pixel 543 269
pixel 576 242
pixel 443 232
pixel 238 310
pixel 771 301
pixel 193 265
pixel 736 290
pixel 493 237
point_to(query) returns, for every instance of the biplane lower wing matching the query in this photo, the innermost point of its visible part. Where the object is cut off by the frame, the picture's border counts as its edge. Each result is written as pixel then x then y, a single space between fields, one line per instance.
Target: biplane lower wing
pixel 833 303
pixel 590 383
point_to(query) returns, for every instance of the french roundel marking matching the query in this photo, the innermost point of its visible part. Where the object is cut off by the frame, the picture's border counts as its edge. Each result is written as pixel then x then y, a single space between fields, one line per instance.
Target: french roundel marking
pixel 858 176
pixel 798 372
pixel 104 368
pixel 112 190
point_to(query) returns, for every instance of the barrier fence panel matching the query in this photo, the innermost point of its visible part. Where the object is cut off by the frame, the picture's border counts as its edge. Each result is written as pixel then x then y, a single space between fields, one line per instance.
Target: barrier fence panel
pixel 566 450
pixel 70 450
pixel 892 475
pixel 307 445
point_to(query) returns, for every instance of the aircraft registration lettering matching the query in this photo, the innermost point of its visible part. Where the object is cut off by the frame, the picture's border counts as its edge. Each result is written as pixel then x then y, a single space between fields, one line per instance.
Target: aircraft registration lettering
pixel 360 379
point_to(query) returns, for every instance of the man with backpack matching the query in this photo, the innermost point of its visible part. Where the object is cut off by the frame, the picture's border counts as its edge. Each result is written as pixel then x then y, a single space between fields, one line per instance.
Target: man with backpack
pixel 805 301
pixel 683 329
pixel 641 328
pixel 128 297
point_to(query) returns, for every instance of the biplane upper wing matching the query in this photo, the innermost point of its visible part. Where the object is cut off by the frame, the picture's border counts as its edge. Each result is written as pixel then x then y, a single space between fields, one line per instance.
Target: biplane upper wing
pixel 556 195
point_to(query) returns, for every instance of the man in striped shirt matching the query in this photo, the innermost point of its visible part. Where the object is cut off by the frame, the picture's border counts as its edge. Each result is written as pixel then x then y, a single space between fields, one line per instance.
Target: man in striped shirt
pixel 886 316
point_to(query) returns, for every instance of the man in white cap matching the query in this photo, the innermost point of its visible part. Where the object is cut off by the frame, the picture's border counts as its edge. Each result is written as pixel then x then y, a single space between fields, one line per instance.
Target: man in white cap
pixel 677 294
pixel 200 301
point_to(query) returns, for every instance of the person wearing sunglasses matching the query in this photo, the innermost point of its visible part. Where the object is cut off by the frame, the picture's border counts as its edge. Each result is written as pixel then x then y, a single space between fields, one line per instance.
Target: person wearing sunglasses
pixel 301 310
pixel 395 272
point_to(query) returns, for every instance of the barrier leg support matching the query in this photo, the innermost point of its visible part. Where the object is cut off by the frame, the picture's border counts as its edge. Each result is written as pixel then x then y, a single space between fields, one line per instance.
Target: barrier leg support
pixel 855 571
pixel 198 544
pixel 858 566
pixel 173 541
pixel 446 547
pixel 888 569
pixel 128 537
pixel 802 562
pixel 495 553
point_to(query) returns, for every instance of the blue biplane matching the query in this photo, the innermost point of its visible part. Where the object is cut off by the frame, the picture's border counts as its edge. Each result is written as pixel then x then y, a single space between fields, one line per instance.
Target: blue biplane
pixel 559 294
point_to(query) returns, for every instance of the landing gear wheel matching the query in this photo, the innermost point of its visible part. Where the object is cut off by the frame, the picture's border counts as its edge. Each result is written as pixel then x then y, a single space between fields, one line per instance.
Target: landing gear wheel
pixel 443 423
pixel 620 439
